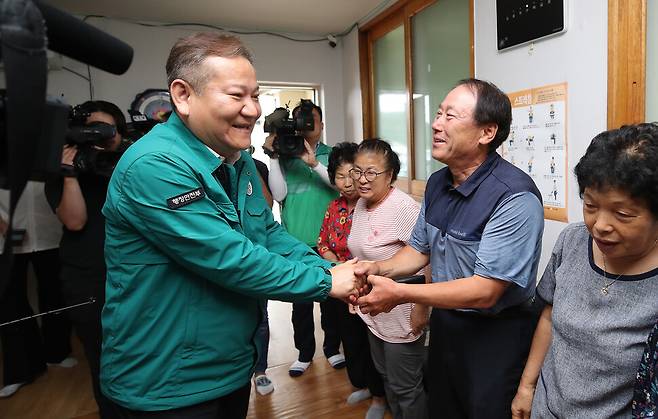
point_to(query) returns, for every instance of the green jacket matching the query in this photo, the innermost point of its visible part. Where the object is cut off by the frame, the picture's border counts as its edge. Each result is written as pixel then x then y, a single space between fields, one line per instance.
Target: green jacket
pixel 186 268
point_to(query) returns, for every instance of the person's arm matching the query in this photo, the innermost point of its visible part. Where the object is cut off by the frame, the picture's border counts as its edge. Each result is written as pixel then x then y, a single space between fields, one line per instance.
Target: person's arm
pixel 72 209
pixel 522 403
pixel 420 312
pixel 311 161
pixel 321 170
pixel 200 238
pixel 277 181
pixel 506 255
pixel 472 292
pixel 407 261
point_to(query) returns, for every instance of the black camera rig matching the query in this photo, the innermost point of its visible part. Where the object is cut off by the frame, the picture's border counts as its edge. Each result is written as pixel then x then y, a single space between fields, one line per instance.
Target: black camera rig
pixel 289 142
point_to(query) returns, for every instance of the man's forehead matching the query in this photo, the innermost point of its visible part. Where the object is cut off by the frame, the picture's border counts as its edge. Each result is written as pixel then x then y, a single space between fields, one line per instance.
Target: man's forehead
pixel 461 98
pixel 236 71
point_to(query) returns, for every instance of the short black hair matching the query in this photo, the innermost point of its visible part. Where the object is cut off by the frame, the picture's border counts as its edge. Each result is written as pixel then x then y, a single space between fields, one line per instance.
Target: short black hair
pixel 379 146
pixel 624 159
pixel 341 153
pixel 110 109
pixel 299 106
pixel 492 107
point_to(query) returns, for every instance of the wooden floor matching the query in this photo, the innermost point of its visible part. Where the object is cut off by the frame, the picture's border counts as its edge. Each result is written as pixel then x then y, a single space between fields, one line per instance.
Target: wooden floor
pixel 319 393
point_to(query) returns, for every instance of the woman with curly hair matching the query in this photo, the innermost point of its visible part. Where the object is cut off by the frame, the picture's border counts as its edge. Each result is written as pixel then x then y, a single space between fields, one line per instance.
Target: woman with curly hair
pixel 600 286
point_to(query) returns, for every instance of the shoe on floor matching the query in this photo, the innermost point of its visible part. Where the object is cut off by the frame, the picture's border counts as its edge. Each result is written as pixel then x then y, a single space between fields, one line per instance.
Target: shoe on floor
pixel 69 362
pixel 358 396
pixel 376 411
pixel 298 368
pixel 9 390
pixel 263 385
pixel 337 361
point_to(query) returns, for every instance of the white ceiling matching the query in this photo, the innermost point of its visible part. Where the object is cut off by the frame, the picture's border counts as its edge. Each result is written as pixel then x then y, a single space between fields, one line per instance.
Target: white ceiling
pixel 309 17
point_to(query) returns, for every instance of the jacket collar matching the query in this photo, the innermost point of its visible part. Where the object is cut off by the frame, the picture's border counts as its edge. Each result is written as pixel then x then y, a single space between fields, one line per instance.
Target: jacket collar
pixel 207 158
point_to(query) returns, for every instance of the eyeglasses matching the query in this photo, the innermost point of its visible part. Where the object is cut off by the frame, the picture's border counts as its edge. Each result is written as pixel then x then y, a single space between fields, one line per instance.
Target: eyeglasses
pixel 369 174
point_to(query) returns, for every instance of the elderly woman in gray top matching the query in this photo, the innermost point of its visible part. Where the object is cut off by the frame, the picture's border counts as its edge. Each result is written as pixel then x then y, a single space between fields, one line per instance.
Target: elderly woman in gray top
pixel 600 286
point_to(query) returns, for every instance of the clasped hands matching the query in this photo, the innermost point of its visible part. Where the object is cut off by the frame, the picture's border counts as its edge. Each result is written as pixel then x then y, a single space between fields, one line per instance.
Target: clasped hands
pixel 360 284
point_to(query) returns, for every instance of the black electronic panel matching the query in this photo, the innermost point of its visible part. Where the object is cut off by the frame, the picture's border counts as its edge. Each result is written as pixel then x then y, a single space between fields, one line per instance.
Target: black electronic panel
pixel 521 21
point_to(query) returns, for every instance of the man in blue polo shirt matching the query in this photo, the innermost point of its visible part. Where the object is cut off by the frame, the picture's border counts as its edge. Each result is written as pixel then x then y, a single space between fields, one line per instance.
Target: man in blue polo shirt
pixel 480 227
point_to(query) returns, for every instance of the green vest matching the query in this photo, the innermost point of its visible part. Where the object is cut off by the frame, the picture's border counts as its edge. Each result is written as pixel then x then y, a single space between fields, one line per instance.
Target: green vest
pixel 307 198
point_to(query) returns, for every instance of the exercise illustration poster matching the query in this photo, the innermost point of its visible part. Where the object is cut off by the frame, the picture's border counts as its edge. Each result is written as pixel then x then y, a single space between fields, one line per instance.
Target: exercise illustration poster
pixel 537 143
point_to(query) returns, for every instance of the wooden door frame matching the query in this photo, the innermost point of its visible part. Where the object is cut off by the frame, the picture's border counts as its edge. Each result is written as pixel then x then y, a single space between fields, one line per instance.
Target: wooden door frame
pixel 627 28
pixel 400 13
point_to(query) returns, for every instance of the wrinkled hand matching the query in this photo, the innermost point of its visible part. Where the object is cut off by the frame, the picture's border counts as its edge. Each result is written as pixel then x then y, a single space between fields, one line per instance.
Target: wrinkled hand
pixel 309 155
pixel 362 270
pixel 68 155
pixel 365 268
pixel 522 403
pixel 419 317
pixel 384 295
pixel 343 282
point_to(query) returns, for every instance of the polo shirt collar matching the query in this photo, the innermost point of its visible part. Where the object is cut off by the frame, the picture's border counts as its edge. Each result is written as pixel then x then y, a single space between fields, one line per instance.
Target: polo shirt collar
pixel 474 180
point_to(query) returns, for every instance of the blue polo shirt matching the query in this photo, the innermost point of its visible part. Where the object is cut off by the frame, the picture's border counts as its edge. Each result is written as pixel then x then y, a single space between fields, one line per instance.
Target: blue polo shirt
pixel 491 225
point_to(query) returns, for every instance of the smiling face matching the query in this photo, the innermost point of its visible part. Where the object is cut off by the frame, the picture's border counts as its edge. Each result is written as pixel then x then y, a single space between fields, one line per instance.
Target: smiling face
pixel 221 113
pixel 622 228
pixel 457 138
pixel 372 191
pixel 346 186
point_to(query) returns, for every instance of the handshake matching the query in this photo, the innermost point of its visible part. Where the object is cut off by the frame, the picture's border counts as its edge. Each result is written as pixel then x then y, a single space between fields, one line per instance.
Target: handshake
pixel 359 284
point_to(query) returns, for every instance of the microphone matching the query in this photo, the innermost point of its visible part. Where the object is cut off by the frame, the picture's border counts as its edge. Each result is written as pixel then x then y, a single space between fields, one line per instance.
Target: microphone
pixel 76 39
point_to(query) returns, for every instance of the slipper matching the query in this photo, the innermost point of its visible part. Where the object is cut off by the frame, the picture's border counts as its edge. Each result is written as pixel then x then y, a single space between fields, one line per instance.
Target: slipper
pixel 298 368
pixel 337 361
pixel 9 390
pixel 358 396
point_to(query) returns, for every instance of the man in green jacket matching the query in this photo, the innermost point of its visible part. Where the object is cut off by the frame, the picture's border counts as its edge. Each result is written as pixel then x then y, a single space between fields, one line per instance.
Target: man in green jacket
pixel 191 247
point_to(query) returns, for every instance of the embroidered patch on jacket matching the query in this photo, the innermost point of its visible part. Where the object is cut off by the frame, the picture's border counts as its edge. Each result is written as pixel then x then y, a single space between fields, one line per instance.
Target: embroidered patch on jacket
pixel 186 198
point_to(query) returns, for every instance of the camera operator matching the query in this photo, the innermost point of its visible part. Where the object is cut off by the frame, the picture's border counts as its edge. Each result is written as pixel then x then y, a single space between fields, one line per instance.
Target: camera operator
pixel 77 198
pixel 301 185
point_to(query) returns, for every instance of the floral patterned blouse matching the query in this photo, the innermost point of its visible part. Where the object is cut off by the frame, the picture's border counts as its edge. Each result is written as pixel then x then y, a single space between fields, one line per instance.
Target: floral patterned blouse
pixel 645 396
pixel 335 228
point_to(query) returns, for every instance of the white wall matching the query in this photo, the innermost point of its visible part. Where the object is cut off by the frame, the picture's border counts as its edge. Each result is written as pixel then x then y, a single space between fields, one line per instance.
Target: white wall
pixel 352 87
pixel 578 57
pixel 276 59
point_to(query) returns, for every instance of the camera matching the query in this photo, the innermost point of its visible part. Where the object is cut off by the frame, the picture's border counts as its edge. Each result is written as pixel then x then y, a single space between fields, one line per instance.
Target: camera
pixel 91 140
pixel 289 142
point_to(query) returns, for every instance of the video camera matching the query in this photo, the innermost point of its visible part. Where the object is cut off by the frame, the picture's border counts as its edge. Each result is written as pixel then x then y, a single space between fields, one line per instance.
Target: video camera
pixel 289 142
pixel 92 141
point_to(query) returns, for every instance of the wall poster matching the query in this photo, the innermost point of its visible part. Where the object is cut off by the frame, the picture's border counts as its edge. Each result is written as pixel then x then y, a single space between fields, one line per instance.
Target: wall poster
pixel 537 143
